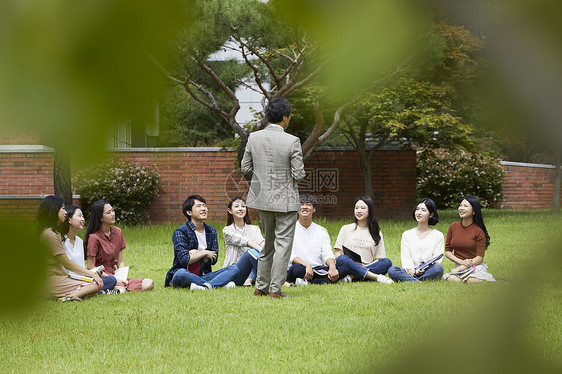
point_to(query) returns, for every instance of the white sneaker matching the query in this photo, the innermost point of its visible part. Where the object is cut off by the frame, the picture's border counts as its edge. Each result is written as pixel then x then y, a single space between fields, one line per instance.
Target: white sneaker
pixel 196 287
pixel 382 279
pixel 115 291
pixel 346 279
pixel 301 282
pixel 230 284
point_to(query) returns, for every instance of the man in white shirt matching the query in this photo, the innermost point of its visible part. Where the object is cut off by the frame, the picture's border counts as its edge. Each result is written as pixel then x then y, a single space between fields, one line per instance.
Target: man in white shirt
pixel 312 259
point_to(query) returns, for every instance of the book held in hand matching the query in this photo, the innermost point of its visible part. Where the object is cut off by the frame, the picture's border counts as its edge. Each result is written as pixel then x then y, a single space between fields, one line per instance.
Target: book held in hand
pixel 320 270
pixel 463 272
pixel 425 265
pixel 80 277
pixel 254 253
pixel 85 278
pixel 122 273
pixel 352 255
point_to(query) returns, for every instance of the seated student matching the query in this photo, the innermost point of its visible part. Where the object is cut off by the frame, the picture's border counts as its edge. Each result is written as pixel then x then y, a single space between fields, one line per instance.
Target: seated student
pixel 196 248
pixel 466 244
pixel 419 245
pixel 74 247
pixel 105 244
pixel 312 259
pixel 364 238
pixel 50 216
pixel 239 236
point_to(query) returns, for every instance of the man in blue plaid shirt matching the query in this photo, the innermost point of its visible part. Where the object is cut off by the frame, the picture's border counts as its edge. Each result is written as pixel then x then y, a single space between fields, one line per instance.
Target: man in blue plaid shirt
pixel 195 249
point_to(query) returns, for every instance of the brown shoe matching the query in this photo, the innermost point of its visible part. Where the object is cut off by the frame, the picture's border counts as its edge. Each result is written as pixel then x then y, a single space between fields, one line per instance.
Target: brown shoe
pixel 277 295
pixel 259 292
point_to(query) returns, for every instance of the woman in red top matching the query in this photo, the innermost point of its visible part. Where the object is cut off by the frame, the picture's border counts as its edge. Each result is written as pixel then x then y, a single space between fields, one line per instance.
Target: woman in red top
pixel 104 244
pixel 466 244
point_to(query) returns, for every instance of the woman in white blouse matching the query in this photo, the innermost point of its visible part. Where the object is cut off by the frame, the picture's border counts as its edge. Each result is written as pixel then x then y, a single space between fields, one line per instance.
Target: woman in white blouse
pixel 419 245
pixel 74 246
pixel 240 237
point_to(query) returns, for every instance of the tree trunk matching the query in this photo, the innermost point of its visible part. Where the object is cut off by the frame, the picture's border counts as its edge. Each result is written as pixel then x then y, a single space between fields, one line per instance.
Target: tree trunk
pixel 61 176
pixel 556 195
pixel 365 165
pixel 240 152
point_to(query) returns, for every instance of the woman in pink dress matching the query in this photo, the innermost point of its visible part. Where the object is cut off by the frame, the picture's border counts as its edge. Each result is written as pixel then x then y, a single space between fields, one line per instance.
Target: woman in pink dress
pixel 50 215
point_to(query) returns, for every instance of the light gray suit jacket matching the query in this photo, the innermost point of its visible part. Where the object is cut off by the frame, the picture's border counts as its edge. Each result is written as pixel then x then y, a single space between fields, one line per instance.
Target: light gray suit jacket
pixel 274 160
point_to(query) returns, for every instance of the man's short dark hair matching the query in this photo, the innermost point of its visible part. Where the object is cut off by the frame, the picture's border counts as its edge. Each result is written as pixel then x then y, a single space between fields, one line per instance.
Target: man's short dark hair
pixel 310 199
pixel 276 109
pixel 188 205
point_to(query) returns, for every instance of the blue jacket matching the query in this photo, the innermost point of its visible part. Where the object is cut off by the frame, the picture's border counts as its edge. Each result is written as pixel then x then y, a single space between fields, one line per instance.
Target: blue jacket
pixel 185 239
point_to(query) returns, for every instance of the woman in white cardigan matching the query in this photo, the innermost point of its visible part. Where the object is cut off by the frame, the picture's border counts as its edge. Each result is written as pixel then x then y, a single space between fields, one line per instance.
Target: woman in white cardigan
pixel 241 236
pixel 420 245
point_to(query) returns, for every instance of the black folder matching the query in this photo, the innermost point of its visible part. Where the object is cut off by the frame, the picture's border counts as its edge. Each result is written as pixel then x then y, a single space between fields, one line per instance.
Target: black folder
pixel 352 255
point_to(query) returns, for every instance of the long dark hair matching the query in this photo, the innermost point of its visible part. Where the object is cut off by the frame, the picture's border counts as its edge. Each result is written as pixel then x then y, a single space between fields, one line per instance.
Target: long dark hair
pixel 70 210
pixel 431 208
pixel 477 217
pixel 94 224
pixel 48 214
pixel 372 220
pixel 230 217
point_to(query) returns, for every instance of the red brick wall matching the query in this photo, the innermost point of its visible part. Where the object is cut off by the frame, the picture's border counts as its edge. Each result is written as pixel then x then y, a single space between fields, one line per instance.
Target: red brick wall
pixel 18 209
pixel 393 176
pixel 26 173
pixel 184 173
pixel 332 175
pixel 19 137
pixel 528 186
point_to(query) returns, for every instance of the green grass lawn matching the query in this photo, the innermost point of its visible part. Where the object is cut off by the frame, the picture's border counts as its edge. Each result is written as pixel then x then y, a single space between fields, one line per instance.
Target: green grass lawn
pixel 512 326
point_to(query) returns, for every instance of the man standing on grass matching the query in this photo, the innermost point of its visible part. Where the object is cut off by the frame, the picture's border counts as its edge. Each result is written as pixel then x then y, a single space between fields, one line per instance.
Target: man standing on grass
pixel 195 249
pixel 273 158
pixel 312 259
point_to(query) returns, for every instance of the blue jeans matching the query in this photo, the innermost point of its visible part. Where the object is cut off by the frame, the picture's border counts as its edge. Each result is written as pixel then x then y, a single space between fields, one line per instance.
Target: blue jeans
pixel 400 275
pixel 183 278
pixel 299 271
pixel 346 266
pixel 109 283
pixel 248 267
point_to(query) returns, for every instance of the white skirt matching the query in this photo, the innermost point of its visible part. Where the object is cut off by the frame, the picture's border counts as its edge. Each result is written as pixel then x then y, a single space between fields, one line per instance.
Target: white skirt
pixel 480 272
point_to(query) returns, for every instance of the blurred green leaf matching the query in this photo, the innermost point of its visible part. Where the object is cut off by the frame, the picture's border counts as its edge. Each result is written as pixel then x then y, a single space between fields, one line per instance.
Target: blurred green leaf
pixel 73 69
pixel 23 256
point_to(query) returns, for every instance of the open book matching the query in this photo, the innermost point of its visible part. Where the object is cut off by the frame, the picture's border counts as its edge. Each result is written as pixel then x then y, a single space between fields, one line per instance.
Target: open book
pixel 85 278
pixel 122 274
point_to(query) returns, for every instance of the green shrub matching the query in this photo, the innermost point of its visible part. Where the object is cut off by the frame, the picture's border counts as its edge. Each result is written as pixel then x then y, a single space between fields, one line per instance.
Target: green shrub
pixel 447 176
pixel 129 187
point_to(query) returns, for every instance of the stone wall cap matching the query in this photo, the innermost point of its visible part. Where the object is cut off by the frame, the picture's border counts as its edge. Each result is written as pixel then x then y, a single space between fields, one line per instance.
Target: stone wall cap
pixel 168 149
pixel 30 197
pixel 388 147
pixel 16 148
pixel 8 148
pixel 528 165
